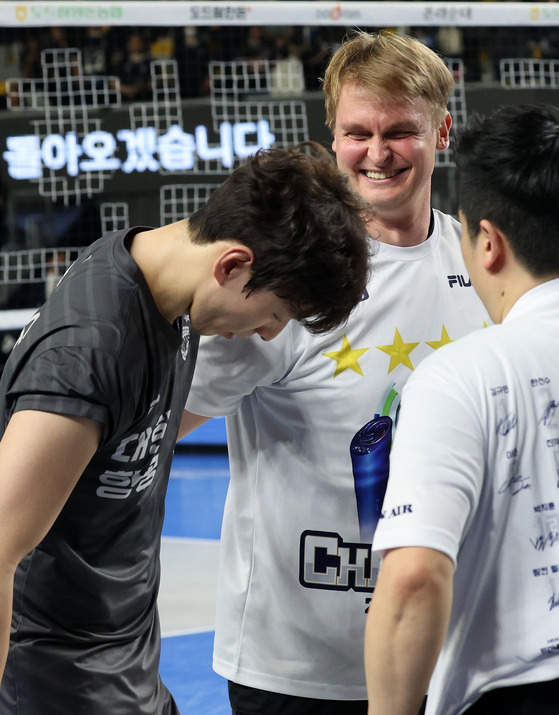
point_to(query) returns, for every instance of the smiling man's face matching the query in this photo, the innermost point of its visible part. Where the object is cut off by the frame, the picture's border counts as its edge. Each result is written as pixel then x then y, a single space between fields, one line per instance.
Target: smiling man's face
pixel 387 149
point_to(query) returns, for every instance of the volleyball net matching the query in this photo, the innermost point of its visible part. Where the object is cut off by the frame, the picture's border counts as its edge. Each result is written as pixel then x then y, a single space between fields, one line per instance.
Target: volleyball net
pixel 125 113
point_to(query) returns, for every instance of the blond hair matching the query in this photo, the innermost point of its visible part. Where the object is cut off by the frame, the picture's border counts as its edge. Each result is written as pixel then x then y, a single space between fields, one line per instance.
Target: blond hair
pixel 391 66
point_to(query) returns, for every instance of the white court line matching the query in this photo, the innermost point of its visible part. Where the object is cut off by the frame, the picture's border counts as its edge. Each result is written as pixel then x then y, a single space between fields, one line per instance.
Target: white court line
pixel 188 631
pixel 189 540
pixel 198 474
pixel 188 584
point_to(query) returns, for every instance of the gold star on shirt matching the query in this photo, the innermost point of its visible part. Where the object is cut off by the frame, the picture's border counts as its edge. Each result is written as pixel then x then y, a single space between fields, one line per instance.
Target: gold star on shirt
pixel 347 358
pixel 436 344
pixel 399 352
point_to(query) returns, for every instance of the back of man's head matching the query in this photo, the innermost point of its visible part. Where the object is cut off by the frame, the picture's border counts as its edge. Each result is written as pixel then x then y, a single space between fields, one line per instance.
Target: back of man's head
pixel 304 225
pixel 392 67
pixel 508 173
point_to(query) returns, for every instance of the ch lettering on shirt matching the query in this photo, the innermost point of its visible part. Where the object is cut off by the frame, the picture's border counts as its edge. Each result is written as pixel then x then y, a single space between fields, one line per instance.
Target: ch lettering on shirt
pixel 327 562
pixel 121 483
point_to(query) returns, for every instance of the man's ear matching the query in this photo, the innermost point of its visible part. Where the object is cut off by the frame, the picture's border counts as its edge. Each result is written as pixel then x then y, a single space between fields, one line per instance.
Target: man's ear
pixel 494 246
pixel 232 262
pixel 443 133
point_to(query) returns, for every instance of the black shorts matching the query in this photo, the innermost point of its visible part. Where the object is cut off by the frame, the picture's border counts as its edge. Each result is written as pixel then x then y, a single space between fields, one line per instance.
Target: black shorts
pixel 530 699
pixel 251 701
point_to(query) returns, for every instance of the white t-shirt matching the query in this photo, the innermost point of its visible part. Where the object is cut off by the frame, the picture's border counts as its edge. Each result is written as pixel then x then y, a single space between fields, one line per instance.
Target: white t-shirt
pixel 474 473
pixel 295 575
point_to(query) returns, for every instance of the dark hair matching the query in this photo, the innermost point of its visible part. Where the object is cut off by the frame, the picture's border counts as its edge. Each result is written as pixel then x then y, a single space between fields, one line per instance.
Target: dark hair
pixel 305 226
pixel 508 173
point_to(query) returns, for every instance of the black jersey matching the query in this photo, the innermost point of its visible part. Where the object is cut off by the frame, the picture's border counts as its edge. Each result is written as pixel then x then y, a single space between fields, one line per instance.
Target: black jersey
pixel 85 633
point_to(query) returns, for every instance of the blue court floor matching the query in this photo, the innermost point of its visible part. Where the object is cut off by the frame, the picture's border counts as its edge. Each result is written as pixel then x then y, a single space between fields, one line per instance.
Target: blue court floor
pixel 190 544
pixel 186 670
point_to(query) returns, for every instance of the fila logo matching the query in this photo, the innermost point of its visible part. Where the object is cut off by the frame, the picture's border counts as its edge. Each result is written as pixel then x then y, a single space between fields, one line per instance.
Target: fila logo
pixel 459 280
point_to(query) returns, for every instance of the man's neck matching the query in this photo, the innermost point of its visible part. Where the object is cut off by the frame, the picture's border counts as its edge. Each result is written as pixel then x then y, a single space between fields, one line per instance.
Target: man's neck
pixel 410 230
pixel 161 256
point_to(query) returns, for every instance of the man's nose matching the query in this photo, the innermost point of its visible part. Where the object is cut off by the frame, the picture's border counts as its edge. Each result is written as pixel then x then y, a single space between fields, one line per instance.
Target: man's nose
pixel 379 151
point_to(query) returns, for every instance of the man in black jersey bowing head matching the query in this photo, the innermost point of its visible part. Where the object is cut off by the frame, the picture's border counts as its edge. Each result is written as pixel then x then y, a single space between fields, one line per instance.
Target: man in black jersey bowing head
pixel 90 402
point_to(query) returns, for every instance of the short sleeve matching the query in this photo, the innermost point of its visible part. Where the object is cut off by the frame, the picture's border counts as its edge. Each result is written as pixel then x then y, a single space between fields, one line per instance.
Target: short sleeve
pixel 436 464
pixel 229 370
pixel 80 382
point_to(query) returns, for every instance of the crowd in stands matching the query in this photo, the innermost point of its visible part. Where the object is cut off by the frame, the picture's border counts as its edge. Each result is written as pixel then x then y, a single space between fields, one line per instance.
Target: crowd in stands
pixel 127 52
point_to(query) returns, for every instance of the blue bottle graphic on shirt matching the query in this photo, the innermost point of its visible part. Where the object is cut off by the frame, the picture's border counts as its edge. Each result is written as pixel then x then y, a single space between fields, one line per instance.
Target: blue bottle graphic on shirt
pixel 370 450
